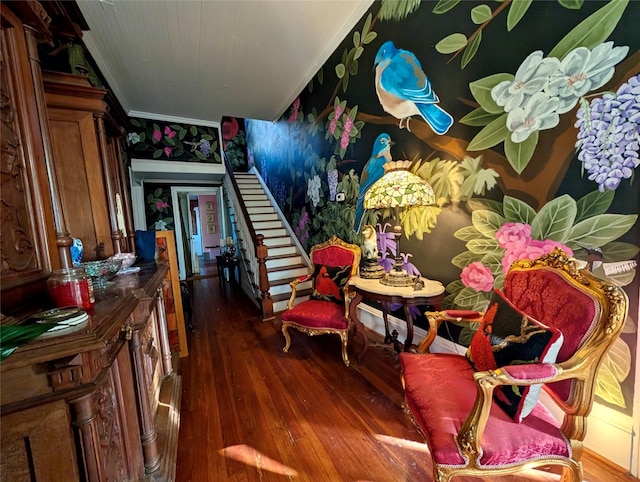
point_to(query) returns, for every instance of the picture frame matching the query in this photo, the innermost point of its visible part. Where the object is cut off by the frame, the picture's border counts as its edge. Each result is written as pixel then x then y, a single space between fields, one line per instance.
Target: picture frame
pixel 208 206
pixel 211 229
pixel 211 218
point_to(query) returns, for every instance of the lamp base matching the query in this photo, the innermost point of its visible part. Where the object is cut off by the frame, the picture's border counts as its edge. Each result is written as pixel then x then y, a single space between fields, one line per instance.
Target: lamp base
pixel 398 278
pixel 371 269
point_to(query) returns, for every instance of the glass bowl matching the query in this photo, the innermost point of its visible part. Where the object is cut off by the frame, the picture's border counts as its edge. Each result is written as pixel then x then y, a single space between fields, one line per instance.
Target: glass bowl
pixel 101 271
pixel 127 259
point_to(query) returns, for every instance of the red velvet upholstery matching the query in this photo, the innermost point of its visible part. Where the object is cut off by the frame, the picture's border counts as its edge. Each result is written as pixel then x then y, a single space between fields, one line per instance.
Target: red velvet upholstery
pixel 440 417
pixel 545 296
pixel 317 314
pixel 334 262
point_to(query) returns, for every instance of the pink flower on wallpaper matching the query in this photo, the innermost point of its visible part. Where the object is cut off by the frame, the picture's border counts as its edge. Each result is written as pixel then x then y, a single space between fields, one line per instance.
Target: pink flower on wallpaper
pixel 332 126
pixel 534 249
pixel 294 110
pixel 477 276
pixel 344 140
pixel 160 205
pixel 167 151
pixel 338 111
pixel 511 235
pixel 157 135
pixel 169 133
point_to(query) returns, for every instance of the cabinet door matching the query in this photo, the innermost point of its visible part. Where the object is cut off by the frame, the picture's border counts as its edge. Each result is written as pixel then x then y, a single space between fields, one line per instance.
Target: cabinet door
pixel 81 180
pixel 27 250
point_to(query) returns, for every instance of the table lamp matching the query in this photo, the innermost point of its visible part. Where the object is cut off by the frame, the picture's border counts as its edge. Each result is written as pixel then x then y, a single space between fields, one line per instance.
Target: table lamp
pixel 398 188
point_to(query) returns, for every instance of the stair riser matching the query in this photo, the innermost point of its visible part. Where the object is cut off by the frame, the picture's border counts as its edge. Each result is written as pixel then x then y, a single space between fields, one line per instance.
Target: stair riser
pixel 280 306
pixel 282 251
pixel 257 204
pixel 287 273
pixel 257 218
pixel 280 262
pixel 285 288
pixel 262 225
pixel 277 241
pixel 272 233
pixel 261 210
pixel 255 197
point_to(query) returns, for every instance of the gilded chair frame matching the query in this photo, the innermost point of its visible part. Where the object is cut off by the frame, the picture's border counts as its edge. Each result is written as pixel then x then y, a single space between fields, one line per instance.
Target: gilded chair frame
pixel 582 368
pixel 316 251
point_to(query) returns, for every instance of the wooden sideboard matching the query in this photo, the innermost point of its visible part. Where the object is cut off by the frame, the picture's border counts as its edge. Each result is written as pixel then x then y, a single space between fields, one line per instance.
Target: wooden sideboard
pixel 101 403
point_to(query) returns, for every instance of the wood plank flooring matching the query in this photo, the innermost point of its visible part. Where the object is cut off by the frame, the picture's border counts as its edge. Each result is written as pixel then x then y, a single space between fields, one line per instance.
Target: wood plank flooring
pixel 253 413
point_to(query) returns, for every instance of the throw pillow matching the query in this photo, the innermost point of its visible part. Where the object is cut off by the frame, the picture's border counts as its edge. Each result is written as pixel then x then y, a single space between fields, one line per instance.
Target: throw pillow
pixel 329 282
pixel 507 336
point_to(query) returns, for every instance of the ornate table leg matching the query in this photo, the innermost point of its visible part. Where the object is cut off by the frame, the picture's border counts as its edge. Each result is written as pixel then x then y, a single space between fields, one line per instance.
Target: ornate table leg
pixel 353 314
pixel 409 340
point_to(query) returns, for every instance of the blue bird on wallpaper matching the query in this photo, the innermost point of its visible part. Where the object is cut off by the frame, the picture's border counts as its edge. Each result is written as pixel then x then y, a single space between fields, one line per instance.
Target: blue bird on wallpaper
pixel 404 90
pixel 372 171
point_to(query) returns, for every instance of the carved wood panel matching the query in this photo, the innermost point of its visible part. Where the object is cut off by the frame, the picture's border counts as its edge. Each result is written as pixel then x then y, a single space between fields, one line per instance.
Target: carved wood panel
pixel 23 245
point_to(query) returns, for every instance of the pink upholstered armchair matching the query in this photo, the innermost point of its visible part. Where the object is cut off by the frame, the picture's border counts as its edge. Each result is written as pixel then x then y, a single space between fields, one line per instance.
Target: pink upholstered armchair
pixel 550 328
pixel 327 309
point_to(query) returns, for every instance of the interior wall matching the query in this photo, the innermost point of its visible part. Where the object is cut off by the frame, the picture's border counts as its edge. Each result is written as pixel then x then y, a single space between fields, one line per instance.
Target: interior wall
pixel 209 225
pixel 499 170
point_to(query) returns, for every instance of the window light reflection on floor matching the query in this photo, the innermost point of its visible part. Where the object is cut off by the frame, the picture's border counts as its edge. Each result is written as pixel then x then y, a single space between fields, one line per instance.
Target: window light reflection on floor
pixel 250 456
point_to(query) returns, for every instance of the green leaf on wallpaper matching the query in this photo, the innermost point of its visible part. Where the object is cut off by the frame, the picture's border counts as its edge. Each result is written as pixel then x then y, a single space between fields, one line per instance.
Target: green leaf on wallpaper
pixel 353 67
pixel 592 31
pixel 454 287
pixel 345 82
pixel 358 53
pixel 520 153
pixel 200 155
pixel 483 245
pixel 517 211
pixel 619 251
pixel 494 261
pixel 481 91
pixel 193 130
pixel 470 299
pixel 135 122
pixel 516 11
pixel 451 43
pixel 467 332
pixel 594 203
pixel 169 141
pixel 471 49
pixel 370 37
pixel 356 39
pixel 571 4
pixel 157 153
pixel 465 258
pixel 340 70
pixel 478 118
pixel 444 6
pixel 367 24
pixel 600 230
pixel 498 281
pixel 492 134
pixel 397 9
pixel 467 233
pixel 182 134
pixel 143 137
pixel 487 222
pixel 480 14
pixel 555 219
pixel 480 204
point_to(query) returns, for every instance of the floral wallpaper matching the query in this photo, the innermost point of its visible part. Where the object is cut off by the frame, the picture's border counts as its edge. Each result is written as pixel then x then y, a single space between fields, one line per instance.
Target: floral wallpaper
pixel 523 116
pixel 234 143
pixel 172 141
pixel 158 207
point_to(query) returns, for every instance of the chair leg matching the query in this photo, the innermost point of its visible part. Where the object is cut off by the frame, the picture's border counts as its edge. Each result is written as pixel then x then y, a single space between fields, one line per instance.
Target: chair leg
pixel 344 336
pixel 285 332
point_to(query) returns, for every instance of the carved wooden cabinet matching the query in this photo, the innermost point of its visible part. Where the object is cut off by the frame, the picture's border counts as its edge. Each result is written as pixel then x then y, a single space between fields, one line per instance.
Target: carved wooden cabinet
pixel 87 405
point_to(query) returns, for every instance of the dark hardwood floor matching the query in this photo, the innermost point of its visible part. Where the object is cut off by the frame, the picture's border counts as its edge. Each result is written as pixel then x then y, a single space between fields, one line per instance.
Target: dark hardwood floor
pixel 253 413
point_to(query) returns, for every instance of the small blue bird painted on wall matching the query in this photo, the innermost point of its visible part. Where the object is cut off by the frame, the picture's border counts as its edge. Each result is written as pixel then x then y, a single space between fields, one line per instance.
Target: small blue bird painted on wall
pixel 372 171
pixel 404 90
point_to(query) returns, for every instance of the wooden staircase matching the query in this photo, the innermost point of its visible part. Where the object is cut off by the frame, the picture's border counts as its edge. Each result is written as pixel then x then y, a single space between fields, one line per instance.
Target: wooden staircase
pixel 285 262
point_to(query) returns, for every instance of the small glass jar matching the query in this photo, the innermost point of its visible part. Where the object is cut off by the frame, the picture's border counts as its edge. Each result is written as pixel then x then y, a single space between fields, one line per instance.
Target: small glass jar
pixel 71 287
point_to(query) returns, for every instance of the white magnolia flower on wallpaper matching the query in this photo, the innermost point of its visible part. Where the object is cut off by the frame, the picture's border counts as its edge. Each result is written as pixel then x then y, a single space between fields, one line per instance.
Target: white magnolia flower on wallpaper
pixel 582 71
pixel 532 77
pixel 537 114
pixel 313 189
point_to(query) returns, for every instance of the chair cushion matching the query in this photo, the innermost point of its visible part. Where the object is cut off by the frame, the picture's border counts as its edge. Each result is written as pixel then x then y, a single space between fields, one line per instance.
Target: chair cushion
pixel 428 376
pixel 317 314
pixel 329 282
pixel 507 336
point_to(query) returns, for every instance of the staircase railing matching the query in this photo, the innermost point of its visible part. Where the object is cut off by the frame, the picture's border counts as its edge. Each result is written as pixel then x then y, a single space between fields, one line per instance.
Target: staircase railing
pixel 252 247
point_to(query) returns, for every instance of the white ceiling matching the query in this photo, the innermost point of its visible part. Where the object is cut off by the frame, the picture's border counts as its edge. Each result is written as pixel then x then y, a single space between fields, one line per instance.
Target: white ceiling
pixel 197 60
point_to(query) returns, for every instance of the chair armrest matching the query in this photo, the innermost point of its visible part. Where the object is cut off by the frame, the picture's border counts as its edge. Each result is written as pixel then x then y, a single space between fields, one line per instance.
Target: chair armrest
pixel 470 435
pixel 294 284
pixel 435 319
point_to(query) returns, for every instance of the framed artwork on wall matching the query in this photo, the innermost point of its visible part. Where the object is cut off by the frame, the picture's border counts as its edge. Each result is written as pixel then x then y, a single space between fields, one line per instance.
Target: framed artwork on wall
pixel 211 218
pixel 209 206
pixel 211 229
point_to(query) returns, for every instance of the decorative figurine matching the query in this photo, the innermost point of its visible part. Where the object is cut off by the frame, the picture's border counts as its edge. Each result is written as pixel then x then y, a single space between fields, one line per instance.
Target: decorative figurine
pixel 370 268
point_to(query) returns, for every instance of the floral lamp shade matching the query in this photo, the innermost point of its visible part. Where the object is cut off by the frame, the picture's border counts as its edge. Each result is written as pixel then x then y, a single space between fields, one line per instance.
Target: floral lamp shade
pixel 399 188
